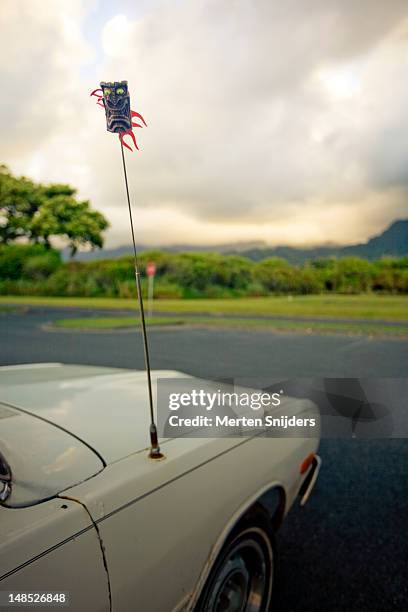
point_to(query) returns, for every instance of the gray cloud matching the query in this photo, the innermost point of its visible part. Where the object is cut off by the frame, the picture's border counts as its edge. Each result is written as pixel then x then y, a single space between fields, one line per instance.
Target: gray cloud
pixel 41 48
pixel 261 114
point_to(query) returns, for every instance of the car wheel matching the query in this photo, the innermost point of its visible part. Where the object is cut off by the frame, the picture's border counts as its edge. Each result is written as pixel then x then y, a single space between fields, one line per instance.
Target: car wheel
pixel 242 577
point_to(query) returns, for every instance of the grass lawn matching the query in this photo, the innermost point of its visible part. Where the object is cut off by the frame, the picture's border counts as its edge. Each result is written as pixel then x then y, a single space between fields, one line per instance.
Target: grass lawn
pixel 113 322
pixel 387 307
pixel 102 323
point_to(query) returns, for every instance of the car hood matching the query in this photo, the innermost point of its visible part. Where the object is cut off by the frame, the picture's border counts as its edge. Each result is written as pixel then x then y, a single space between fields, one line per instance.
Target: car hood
pixel 106 408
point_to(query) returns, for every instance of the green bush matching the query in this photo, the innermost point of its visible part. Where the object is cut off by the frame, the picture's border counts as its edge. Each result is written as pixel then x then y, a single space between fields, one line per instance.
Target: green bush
pixel 390 275
pixel 127 289
pixel 352 275
pixel 309 282
pixel 41 266
pixel 166 290
pixel 278 276
pixel 256 289
pixel 35 270
pixel 23 260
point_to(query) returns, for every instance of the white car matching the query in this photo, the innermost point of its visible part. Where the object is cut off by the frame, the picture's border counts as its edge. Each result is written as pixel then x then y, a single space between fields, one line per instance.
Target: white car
pixel 88 518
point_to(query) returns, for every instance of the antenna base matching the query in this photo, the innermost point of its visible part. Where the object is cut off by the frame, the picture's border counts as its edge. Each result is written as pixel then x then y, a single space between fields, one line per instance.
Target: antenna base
pixel 155 452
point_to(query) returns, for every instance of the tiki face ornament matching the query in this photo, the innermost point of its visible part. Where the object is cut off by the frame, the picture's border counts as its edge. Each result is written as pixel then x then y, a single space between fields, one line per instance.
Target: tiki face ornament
pixel 114 98
pixel 116 101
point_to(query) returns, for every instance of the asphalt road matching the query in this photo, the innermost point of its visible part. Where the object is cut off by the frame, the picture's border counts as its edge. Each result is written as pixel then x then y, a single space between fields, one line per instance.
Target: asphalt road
pixel 199 351
pixel 347 550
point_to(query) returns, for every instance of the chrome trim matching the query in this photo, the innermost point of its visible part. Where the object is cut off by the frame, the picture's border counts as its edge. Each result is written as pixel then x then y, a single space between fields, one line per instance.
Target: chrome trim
pixel 5 479
pixel 4 491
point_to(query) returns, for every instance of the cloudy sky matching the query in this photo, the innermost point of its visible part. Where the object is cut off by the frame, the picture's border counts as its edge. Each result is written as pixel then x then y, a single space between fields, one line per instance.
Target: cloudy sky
pixel 282 121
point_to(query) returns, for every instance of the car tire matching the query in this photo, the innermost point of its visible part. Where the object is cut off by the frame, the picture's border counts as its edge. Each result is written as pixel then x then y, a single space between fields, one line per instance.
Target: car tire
pixel 242 577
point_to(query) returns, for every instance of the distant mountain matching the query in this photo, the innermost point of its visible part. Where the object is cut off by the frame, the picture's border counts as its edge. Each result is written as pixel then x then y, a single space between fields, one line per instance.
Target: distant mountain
pixel 176 248
pixel 393 242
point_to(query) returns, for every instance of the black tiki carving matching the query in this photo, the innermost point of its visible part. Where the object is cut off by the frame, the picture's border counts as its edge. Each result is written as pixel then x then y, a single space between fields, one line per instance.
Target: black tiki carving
pixel 116 101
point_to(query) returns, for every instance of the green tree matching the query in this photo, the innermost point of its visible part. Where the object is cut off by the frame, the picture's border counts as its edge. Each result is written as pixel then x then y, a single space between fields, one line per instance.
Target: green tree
pixel 20 198
pixel 39 212
pixel 63 216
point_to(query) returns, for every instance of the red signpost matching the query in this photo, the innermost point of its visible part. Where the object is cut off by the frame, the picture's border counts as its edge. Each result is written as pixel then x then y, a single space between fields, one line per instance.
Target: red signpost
pixel 150 268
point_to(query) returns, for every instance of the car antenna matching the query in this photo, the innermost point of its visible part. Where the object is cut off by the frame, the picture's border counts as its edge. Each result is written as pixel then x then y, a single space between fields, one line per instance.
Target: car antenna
pixel 114 98
pixel 155 452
